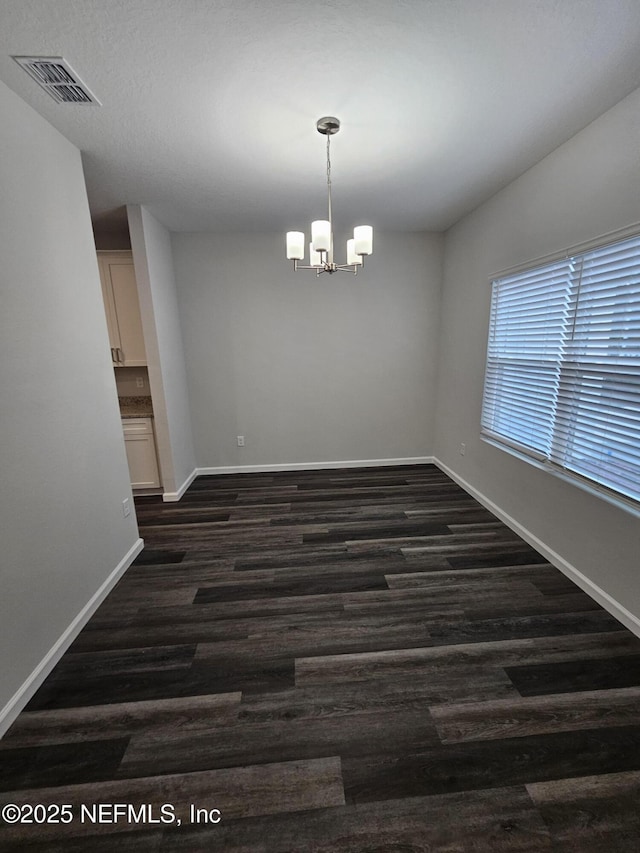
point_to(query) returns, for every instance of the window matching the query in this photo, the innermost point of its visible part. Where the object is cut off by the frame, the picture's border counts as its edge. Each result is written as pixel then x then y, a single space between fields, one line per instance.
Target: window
pixel 562 381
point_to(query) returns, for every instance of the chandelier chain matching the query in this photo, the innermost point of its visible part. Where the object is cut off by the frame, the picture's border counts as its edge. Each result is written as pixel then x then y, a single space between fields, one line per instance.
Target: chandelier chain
pixel 329 174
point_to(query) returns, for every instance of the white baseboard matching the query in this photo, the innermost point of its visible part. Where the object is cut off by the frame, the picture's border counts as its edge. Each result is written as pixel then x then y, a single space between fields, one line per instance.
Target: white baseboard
pixel 316 466
pixel 24 693
pixel 628 619
pixel 169 497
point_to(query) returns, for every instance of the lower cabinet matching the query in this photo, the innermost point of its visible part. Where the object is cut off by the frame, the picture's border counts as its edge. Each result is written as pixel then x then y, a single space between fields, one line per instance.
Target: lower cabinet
pixel 140 445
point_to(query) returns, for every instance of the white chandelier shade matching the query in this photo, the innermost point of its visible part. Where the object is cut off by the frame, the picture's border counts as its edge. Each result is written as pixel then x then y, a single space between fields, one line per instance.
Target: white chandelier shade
pixel 352 257
pixel 321 235
pixel 295 245
pixel 321 244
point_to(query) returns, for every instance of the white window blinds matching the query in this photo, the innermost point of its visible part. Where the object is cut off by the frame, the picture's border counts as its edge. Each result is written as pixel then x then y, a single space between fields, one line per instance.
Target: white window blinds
pixel 562 380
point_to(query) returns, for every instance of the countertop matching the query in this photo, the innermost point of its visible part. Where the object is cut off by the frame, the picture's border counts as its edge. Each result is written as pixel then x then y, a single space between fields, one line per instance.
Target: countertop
pixel 135 407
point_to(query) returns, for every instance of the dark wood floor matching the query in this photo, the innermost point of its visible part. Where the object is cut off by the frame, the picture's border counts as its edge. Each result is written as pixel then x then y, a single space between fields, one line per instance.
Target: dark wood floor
pixel 355 660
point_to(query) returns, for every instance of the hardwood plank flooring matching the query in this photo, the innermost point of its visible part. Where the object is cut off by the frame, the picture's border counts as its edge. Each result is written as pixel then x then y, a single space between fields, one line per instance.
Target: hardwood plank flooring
pixel 347 660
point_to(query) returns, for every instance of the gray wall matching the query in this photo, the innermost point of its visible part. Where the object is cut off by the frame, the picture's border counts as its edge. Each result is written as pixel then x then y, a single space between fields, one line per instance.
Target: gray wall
pixel 63 467
pixel 586 188
pixel 151 244
pixel 335 368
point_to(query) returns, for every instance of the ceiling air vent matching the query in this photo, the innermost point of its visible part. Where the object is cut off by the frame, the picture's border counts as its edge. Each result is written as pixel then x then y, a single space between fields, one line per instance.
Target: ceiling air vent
pixel 58 78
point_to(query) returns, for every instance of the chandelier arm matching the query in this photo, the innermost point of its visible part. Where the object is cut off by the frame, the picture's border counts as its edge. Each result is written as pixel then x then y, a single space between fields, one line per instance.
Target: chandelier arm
pixel 329 268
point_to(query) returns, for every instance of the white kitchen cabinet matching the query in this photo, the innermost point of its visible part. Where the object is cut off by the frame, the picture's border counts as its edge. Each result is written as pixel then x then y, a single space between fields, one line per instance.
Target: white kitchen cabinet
pixel 140 444
pixel 120 294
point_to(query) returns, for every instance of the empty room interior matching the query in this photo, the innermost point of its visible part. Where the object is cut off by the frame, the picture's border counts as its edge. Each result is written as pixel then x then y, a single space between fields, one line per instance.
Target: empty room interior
pixel 320 431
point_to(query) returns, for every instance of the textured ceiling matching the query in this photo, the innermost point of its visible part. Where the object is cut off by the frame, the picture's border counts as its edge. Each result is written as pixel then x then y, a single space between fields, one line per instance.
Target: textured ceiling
pixel 209 106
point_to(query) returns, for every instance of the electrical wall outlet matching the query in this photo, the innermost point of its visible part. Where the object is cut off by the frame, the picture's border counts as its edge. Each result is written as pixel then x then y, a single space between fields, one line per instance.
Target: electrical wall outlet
pixel 240 441
pixel 126 507
pixel 463 449
pixel 139 382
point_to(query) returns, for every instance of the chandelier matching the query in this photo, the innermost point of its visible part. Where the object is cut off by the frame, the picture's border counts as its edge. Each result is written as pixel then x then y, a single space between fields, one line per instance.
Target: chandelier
pixel 321 245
